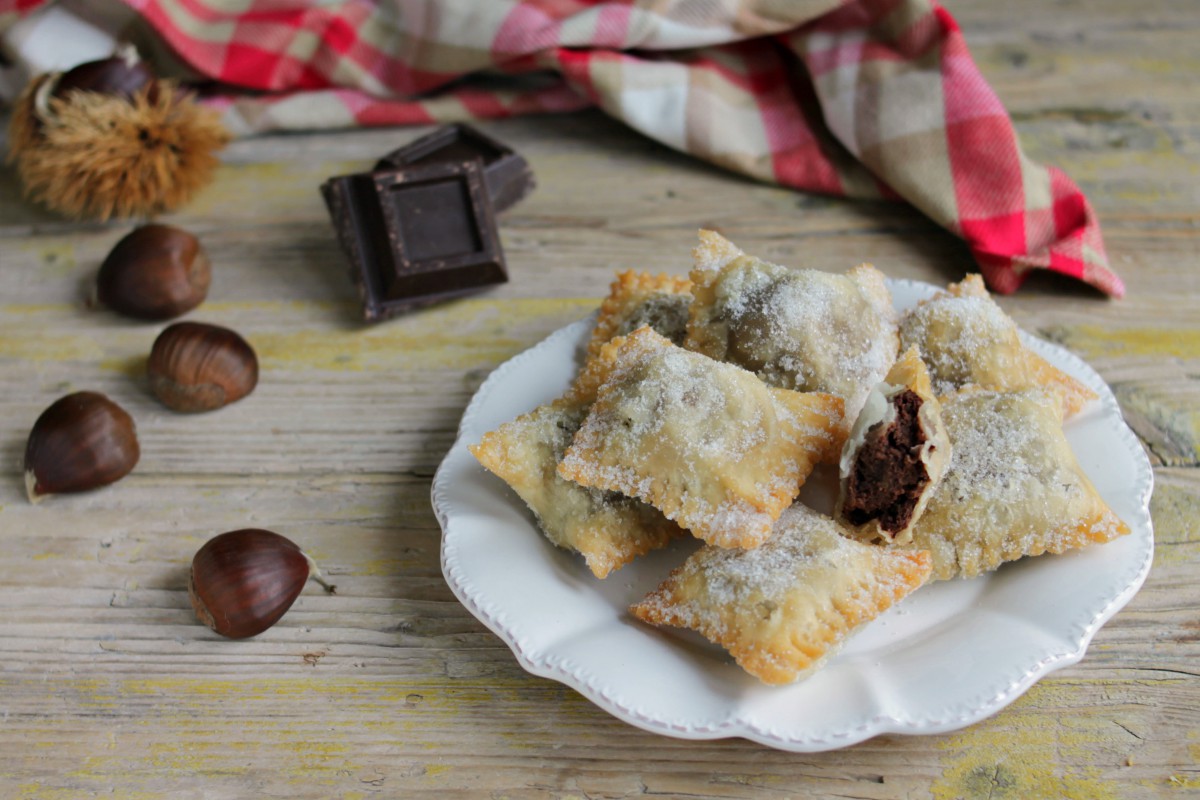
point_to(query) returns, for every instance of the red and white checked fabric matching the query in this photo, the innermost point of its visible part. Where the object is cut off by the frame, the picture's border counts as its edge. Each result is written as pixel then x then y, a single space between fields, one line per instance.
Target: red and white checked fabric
pixel 865 98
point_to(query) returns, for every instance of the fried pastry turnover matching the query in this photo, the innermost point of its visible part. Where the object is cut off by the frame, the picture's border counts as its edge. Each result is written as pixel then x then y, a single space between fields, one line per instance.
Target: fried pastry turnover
pixel 635 299
pixel 799 329
pixel 1013 487
pixel 968 340
pixel 708 444
pixel 608 529
pixel 783 608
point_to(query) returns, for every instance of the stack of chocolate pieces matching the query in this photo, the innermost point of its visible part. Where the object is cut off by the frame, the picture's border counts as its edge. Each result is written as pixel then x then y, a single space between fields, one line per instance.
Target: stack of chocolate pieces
pixel 421 227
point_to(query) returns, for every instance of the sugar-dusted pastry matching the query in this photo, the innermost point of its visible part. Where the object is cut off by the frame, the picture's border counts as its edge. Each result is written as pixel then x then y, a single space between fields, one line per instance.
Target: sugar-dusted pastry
pixel 1013 487
pixel 608 529
pixel 966 339
pixel 639 298
pixel 781 609
pixel 895 455
pixel 708 444
pixel 636 299
pixel 799 329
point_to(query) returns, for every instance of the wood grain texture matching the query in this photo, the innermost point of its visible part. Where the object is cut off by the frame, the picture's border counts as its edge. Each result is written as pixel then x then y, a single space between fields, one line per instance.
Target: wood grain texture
pixel 108 686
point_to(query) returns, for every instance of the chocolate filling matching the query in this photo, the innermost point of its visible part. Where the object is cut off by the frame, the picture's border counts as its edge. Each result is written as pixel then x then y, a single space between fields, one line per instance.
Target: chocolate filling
pixel 888 476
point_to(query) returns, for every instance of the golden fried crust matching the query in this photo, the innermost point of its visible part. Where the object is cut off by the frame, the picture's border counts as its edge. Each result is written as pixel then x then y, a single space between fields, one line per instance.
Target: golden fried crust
pixel 799 329
pixel 966 339
pixel 634 298
pixel 626 294
pixel 1013 487
pixel 607 529
pixel 708 444
pixel 713 251
pixel 781 609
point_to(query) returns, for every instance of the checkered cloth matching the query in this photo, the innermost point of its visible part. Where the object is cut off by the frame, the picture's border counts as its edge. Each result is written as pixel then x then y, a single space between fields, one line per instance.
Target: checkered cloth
pixel 867 98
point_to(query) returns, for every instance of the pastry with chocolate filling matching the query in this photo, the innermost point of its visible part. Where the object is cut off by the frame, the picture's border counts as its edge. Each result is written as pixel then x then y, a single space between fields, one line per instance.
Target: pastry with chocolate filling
pixel 708 444
pixel 608 529
pixel 799 329
pixel 783 608
pixel 895 455
pixel 635 299
pixel 1013 487
pixel 968 340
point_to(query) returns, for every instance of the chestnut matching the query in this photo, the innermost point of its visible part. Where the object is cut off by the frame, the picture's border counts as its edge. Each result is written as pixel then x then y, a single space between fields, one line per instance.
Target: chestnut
pixel 195 366
pixel 154 272
pixel 81 442
pixel 243 581
pixel 123 74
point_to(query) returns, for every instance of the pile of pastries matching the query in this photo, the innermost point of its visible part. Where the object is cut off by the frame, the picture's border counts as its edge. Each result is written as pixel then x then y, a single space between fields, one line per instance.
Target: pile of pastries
pixel 704 404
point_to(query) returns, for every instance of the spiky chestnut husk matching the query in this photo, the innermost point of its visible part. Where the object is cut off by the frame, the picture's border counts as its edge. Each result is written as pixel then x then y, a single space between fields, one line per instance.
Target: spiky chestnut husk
pixel 90 155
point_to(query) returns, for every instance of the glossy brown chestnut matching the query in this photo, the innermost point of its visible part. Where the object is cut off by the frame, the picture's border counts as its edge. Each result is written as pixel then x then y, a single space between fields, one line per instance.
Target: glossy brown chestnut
pixel 155 272
pixel 82 441
pixel 243 581
pixel 123 74
pixel 195 366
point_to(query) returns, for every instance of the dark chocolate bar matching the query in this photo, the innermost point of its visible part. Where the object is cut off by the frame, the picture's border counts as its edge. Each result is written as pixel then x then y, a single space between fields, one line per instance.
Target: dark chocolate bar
pixel 509 178
pixel 416 235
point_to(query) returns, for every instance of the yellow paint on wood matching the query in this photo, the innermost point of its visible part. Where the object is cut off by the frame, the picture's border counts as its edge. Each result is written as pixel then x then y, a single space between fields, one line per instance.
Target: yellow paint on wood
pixel 129 366
pixel 40 791
pixel 58 257
pixel 273 307
pixel 1167 419
pixel 1093 341
pixel 455 336
pixel 1015 757
pixel 194 708
pixel 40 345
pixel 382 567
pixel 1176 514
pixel 36 309
pixel 1174 418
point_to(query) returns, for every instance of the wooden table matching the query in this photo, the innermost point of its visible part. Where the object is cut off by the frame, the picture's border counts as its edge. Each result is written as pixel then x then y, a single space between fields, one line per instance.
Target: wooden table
pixel 108 686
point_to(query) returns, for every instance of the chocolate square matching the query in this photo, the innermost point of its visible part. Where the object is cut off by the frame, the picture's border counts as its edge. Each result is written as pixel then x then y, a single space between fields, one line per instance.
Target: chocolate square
pixel 509 178
pixel 416 236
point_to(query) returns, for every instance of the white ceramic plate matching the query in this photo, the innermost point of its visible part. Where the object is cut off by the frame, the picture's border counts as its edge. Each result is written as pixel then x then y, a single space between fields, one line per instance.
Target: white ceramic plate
pixel 949 655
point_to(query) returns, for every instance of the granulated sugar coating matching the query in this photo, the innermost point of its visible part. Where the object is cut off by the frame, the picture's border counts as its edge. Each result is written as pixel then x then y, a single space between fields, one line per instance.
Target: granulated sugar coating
pixel 1012 488
pixel 607 528
pixel 798 329
pixel 966 339
pixel 634 299
pixel 782 608
pixel 665 313
pixel 709 444
pixel 640 298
